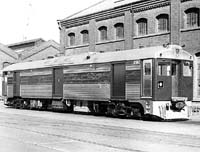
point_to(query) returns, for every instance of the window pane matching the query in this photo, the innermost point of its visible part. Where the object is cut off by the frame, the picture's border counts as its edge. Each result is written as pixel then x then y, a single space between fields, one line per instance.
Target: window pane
pixel 119 28
pixel 103 33
pixel 147 69
pixel 85 36
pixel 142 26
pixel 192 17
pixel 71 39
pixel 163 23
pixel 164 70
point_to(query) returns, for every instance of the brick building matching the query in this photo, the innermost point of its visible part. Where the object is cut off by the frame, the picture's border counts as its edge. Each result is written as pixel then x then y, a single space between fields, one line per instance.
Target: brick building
pixel 35 49
pixel 7 57
pixel 113 25
pixel 25 45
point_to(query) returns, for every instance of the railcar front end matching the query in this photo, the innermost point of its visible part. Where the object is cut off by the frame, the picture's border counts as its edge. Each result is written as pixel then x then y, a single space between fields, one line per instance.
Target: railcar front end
pixel 171 92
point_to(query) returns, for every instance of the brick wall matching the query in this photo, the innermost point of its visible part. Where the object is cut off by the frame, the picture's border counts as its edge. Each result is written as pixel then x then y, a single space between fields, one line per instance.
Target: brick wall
pixel 177 34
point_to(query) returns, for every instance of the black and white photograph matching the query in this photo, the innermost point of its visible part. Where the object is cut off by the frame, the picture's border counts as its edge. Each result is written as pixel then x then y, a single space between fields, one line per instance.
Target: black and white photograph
pixel 100 76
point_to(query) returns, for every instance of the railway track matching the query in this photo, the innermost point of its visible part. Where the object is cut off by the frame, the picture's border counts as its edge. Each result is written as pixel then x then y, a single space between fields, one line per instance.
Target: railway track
pixel 77 131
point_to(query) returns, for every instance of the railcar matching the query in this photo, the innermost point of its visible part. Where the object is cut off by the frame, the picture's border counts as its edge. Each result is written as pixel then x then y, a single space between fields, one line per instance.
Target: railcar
pixel 155 81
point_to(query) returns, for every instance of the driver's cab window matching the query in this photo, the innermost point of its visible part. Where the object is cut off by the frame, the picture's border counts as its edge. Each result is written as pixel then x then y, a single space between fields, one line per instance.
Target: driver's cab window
pixel 164 69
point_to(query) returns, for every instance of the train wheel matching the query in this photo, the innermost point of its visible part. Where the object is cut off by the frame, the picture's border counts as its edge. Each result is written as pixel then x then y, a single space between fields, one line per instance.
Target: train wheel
pixel 111 110
pixel 136 111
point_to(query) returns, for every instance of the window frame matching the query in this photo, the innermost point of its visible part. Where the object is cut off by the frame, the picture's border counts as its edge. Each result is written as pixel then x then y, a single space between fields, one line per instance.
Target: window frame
pixel 119 30
pixel 103 33
pixel 164 69
pixel 142 26
pixel 71 39
pixel 162 23
pixel 192 19
pixel 85 36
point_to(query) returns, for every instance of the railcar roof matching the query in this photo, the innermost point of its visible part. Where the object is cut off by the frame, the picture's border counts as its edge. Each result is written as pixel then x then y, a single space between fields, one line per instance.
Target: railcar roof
pixel 172 51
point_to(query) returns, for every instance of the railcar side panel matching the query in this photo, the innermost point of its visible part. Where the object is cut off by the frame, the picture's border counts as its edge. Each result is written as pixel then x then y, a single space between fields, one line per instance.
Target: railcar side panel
pixel 186 80
pixel 87 91
pixel 133 80
pixel 36 83
pixel 36 91
pixel 10 91
pixel 198 80
pixel 87 82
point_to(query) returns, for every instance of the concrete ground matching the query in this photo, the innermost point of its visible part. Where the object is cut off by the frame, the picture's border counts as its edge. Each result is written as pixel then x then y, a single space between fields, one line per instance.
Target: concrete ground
pixel 42 131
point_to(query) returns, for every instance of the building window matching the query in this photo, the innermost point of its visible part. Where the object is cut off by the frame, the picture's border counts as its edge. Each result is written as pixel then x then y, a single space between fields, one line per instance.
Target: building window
pixel 85 36
pixel 163 22
pixel 142 26
pixel 119 30
pixel 192 17
pixel 71 39
pixel 103 33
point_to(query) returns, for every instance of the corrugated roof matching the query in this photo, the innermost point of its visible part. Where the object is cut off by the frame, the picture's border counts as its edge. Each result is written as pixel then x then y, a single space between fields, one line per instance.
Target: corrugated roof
pixel 29 52
pixel 100 6
pixel 8 51
pixel 172 51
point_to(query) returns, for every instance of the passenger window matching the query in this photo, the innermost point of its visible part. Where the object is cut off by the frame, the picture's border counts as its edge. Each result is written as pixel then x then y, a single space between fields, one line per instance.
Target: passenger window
pixel 164 69
pixel 187 69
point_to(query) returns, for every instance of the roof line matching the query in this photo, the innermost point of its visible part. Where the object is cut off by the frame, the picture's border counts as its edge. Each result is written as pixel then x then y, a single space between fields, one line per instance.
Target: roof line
pixel 6 52
pixel 39 51
pixel 84 9
pixel 25 42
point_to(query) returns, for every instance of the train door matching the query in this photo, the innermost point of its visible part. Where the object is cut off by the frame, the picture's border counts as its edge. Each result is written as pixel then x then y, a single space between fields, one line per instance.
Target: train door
pixel 57 82
pixel 118 81
pixel 4 84
pixel 16 84
pixel 175 74
pixel 147 78
pixel 164 80
pixel 168 79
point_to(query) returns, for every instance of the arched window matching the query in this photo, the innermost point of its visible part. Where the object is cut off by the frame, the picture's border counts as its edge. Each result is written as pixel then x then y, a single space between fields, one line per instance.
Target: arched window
pixel 142 26
pixel 103 33
pixel 119 30
pixel 85 36
pixel 163 22
pixel 192 17
pixel 71 37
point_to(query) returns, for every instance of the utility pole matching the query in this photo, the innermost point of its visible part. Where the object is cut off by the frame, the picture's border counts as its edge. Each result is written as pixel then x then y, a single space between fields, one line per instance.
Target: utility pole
pixel 28 9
